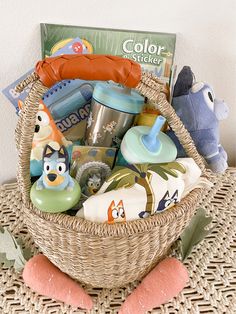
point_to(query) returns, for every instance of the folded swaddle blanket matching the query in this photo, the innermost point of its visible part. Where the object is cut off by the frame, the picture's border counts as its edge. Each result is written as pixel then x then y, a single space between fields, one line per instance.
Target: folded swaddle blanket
pixel 142 190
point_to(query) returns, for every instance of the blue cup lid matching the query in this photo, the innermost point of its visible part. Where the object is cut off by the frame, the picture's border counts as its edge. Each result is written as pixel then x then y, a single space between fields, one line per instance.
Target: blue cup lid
pixel 118 97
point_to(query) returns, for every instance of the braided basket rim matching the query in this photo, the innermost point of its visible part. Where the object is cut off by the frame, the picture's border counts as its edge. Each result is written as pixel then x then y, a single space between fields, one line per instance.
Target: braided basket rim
pixel 84 226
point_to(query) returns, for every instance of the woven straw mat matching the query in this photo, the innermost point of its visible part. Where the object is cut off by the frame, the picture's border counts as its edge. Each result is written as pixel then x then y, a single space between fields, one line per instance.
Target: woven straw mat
pixel 211 266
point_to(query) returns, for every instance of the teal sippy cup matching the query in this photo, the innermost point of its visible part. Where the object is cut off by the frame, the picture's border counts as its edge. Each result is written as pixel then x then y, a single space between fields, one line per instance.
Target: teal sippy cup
pixel 142 144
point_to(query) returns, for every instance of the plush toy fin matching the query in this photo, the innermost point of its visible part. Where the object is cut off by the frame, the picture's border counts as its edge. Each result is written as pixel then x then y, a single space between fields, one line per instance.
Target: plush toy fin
pixel 184 82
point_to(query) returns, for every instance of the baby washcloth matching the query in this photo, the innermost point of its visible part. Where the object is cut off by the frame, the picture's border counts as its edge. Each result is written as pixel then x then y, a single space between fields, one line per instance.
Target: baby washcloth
pixel 147 196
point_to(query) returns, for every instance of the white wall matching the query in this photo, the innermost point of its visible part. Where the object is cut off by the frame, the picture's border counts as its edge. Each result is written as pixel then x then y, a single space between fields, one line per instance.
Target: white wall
pixel 206 40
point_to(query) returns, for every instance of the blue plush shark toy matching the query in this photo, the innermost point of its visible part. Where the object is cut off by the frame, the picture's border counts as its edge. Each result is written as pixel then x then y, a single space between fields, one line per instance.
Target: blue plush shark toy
pixel 200 112
pixel 55 170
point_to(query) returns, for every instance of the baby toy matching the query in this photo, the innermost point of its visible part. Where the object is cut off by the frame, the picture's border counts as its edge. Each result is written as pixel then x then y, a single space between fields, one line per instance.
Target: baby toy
pixel 94 184
pixel 46 132
pixel 142 144
pixel 149 114
pixel 55 190
pixel 84 154
pixel 200 112
pixel 55 170
pixel 91 177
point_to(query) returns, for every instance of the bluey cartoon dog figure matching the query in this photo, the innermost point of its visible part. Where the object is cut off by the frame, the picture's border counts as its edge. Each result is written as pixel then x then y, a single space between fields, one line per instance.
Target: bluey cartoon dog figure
pixel 116 213
pixel 46 132
pixel 200 111
pixel 167 201
pixel 55 170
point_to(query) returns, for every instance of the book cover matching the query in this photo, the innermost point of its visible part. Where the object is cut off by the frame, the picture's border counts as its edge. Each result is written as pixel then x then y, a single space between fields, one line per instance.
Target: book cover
pixel 154 51
pixel 70 47
pixel 68 101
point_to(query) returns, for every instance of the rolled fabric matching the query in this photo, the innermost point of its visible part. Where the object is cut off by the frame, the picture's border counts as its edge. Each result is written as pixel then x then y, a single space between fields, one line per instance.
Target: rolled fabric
pixel 156 194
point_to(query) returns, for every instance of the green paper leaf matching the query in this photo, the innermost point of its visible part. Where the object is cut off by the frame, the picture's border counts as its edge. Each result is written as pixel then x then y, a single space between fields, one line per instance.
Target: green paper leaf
pixel 11 251
pixel 27 253
pixel 5 262
pixel 195 232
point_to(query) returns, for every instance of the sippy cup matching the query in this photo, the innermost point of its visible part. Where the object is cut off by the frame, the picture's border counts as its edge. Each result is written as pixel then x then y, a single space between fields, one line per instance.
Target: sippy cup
pixel 142 144
pixel 113 110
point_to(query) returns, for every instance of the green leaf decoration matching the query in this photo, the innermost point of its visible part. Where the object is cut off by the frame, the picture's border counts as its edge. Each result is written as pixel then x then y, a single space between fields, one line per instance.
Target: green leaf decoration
pixel 116 169
pixel 174 166
pixel 111 186
pixel 195 232
pixel 125 177
pixel 121 177
pixel 159 171
pixel 138 167
pixel 126 182
pixel 167 168
pixel 10 251
pixel 143 167
pixel 121 173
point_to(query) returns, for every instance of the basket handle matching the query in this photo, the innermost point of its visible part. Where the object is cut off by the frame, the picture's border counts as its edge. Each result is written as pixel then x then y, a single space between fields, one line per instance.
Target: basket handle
pixel 89 67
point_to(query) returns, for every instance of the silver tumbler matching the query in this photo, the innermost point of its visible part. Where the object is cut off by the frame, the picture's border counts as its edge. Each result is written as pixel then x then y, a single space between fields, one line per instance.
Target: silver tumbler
pixel 112 113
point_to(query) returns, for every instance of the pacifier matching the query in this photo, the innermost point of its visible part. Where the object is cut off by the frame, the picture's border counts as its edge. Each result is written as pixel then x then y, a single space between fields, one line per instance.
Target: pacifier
pixel 142 144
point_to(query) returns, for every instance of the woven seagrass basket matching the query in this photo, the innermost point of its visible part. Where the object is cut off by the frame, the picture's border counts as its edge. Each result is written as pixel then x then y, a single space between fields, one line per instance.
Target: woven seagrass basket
pixel 101 255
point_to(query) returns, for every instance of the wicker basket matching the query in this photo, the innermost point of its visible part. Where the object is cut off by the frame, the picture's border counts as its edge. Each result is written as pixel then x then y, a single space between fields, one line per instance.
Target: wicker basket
pixel 101 255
